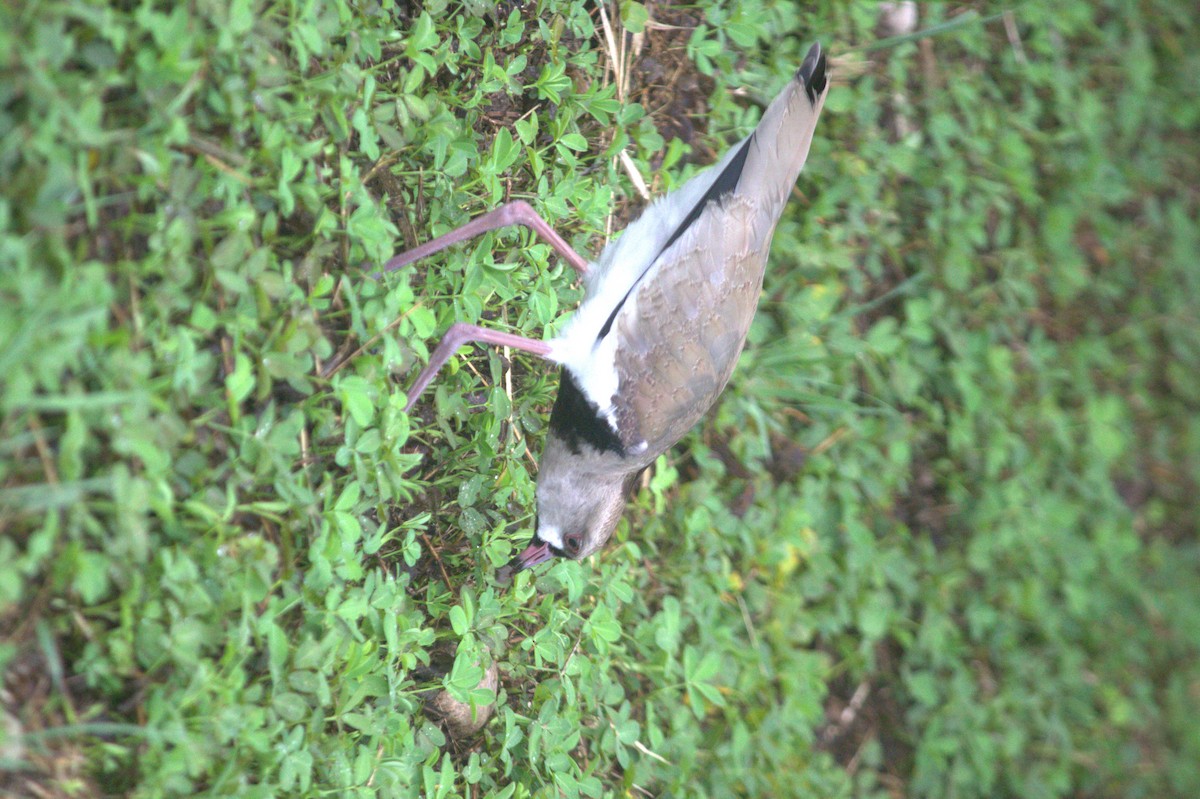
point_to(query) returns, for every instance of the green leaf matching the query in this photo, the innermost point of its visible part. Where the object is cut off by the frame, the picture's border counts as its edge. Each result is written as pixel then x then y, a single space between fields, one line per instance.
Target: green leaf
pixel 241 381
pixel 355 394
pixel 459 621
pixel 573 141
pixel 423 35
pixel 634 16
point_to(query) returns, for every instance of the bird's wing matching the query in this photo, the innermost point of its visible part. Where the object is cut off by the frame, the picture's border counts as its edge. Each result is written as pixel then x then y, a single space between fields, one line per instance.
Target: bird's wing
pixel 679 337
pixel 682 326
pixel 670 302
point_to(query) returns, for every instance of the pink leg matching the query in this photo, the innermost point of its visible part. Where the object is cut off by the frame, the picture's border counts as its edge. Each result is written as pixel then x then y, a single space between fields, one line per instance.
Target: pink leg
pixel 460 333
pixel 517 212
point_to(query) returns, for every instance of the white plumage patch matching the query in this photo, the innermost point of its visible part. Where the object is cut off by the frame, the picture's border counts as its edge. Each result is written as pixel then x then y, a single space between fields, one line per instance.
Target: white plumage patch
pixel 551 535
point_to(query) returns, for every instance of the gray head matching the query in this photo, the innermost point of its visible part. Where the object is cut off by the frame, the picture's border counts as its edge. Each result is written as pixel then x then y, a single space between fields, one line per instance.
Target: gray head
pixel 579 504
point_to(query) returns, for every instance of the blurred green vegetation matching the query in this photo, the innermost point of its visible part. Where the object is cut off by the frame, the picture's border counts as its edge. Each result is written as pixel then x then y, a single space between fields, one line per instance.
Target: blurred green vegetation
pixel 938 539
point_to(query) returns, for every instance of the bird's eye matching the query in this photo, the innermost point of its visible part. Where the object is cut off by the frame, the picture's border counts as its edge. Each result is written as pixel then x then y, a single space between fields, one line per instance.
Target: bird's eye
pixel 572 543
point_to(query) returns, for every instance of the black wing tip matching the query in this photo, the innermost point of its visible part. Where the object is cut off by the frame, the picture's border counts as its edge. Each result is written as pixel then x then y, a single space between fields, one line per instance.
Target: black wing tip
pixel 812 72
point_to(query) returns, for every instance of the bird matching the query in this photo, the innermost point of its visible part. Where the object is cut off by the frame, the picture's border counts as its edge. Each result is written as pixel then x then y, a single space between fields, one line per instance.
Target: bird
pixel 666 310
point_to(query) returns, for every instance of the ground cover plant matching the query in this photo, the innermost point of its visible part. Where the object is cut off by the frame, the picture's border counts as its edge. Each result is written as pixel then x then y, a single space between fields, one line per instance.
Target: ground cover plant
pixel 937 539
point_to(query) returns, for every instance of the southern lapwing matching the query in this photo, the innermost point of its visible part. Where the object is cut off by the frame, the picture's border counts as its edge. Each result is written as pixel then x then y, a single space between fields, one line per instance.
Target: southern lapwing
pixel 665 315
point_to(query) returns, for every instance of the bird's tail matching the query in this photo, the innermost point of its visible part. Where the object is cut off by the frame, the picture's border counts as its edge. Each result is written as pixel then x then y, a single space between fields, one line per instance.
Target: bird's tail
pixel 779 145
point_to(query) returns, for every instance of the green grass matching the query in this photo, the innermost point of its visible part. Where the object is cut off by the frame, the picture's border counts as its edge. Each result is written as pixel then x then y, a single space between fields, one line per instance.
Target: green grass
pixel 938 539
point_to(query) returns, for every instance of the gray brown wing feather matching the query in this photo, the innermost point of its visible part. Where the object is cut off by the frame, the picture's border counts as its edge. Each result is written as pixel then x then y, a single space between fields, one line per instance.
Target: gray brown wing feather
pixel 681 338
